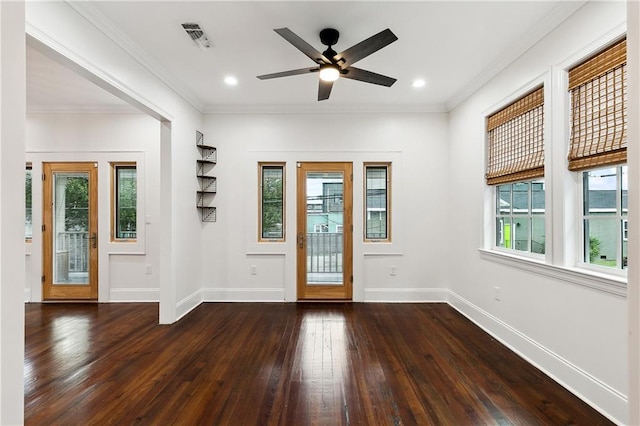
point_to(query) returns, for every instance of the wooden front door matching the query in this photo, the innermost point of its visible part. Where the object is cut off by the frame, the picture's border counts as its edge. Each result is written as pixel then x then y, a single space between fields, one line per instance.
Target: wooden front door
pixel 324 231
pixel 70 232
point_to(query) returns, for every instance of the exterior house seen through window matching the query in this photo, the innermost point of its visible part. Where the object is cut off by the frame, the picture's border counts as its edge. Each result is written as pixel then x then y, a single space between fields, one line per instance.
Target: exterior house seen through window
pixel 520 216
pixel 124 204
pixel 377 215
pixel 605 216
pixel 271 227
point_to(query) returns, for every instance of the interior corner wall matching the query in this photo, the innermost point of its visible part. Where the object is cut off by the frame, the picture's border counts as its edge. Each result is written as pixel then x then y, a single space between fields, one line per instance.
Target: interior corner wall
pixel 12 262
pixel 633 161
pixel 415 144
pixel 127 271
pixel 575 334
pixel 57 26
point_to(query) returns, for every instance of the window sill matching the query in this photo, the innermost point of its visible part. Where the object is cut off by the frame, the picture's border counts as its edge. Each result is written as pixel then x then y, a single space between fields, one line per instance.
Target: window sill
pixel 597 281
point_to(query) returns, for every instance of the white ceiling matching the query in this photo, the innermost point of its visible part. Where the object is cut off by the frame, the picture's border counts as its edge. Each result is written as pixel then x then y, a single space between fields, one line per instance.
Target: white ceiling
pixel 454 46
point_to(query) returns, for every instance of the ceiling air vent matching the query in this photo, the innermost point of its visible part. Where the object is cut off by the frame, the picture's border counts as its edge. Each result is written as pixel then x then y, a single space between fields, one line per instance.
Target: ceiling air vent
pixel 197 35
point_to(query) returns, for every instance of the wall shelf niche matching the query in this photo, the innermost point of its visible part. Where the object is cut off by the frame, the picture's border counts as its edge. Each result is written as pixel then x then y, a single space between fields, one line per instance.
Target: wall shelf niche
pixel 208 183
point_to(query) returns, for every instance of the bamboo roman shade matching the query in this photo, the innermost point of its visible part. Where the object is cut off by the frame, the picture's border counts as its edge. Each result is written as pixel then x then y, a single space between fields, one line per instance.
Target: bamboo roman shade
pixel 598 89
pixel 515 145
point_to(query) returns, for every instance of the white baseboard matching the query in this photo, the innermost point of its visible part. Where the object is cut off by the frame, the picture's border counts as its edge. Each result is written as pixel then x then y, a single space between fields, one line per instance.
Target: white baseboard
pixel 134 295
pixel 612 403
pixel 188 304
pixel 406 295
pixel 27 295
pixel 243 295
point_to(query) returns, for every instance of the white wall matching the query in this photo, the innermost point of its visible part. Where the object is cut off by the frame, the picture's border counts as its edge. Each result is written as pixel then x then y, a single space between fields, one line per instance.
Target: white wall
pixel 416 144
pixel 12 262
pixel 633 160
pixel 103 138
pixel 575 333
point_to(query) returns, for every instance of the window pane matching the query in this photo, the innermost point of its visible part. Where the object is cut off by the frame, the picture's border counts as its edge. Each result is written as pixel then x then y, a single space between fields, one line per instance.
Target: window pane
pixel 376 202
pixel 521 234
pixel 126 202
pixel 537 235
pixel 521 198
pixel 537 197
pixel 503 232
pixel 625 234
pixel 600 191
pixel 272 202
pixel 28 229
pixel 602 236
pixel 625 189
pixel 504 200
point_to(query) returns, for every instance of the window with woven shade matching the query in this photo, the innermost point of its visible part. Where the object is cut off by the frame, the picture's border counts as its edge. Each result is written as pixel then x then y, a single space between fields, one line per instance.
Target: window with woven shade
pixel 598 89
pixel 515 141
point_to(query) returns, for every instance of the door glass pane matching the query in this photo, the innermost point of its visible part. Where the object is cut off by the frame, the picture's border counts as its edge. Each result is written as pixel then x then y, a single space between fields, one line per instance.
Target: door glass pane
pixel 324 228
pixel 71 228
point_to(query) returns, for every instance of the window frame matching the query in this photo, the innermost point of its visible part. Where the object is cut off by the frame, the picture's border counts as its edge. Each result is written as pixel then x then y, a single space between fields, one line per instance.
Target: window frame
pixel 261 166
pixel 114 166
pixel 377 165
pixel 529 216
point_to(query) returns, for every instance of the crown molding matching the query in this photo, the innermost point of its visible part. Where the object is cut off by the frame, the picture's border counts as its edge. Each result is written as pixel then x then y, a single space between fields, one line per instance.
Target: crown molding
pixel 84 109
pixel 326 108
pixel 547 24
pixel 102 23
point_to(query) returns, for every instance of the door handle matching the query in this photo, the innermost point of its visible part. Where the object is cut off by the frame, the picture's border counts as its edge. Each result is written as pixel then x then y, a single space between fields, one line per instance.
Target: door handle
pixel 300 240
pixel 94 240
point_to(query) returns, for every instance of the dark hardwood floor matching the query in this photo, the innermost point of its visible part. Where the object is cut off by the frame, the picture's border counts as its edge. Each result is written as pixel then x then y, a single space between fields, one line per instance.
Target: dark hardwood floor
pixel 281 364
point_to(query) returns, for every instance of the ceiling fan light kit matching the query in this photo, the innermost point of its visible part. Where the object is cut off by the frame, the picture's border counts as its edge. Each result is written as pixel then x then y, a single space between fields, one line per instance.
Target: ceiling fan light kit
pixel 332 65
pixel 329 73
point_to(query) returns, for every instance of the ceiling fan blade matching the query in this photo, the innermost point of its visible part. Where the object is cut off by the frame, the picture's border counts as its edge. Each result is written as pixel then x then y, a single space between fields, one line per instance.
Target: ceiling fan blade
pixel 302 45
pixel 288 73
pixel 365 48
pixel 324 89
pixel 367 76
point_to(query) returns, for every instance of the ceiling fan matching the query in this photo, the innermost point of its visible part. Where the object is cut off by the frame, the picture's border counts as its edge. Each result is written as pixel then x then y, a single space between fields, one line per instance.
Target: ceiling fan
pixel 332 65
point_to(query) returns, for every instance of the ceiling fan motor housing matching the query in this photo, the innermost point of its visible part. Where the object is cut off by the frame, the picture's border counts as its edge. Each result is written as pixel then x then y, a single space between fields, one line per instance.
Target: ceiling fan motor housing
pixel 329 36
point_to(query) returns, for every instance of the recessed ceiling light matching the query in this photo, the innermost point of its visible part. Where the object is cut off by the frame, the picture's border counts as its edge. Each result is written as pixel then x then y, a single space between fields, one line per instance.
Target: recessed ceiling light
pixel 418 83
pixel 231 80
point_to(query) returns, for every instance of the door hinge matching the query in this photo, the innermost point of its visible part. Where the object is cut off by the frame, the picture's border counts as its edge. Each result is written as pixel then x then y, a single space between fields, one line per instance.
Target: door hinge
pixel 43 278
pixel 351 279
pixel 43 228
pixel 351 177
pixel 43 176
pixel 352 227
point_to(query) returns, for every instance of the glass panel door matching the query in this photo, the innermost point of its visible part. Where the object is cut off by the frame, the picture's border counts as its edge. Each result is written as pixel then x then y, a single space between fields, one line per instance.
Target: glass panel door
pixel 70 240
pixel 324 237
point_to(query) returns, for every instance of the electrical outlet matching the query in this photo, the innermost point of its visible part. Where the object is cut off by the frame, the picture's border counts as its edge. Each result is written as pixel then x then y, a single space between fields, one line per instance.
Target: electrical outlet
pixel 393 271
pixel 149 269
pixel 497 294
pixel 253 270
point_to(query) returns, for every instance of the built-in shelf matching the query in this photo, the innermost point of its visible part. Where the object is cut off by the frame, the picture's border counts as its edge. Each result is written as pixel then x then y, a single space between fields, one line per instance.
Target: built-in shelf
pixel 208 183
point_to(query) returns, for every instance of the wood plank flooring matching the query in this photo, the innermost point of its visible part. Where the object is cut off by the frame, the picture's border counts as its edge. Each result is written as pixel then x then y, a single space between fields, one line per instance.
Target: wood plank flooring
pixel 281 364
